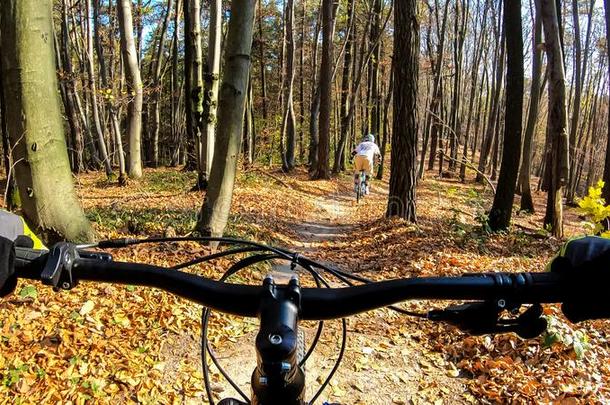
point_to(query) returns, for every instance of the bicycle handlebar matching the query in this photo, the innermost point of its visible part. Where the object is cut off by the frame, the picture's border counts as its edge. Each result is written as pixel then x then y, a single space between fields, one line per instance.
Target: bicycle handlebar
pixel 316 303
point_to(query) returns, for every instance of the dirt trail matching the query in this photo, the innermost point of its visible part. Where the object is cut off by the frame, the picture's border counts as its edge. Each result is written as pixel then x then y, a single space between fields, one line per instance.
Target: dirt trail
pixel 382 363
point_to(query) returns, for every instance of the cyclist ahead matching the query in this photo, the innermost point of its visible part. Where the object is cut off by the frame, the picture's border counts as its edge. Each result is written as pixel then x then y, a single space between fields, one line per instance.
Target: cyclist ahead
pixel 365 155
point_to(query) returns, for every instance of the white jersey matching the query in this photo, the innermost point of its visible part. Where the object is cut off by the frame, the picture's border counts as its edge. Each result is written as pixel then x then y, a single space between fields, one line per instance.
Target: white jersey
pixel 368 149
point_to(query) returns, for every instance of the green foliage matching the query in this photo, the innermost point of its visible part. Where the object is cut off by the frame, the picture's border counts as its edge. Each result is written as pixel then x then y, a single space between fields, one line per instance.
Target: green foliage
pixel 594 208
pixel 149 221
pixel 29 291
pixel 169 180
pixel 13 374
pixel 560 333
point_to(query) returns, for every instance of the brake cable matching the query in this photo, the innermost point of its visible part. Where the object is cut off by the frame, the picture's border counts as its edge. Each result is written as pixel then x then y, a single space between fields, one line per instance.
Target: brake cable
pixel 242 264
pixel 279 253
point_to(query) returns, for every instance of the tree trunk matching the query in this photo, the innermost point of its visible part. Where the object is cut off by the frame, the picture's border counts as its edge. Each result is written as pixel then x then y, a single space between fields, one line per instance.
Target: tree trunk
pixel 195 90
pixel 157 88
pixel 93 89
pixel 577 96
pixel 261 56
pixel 34 121
pixel 373 93
pixel 314 110
pixel 606 175
pixel 210 98
pixel 134 86
pixel 323 167
pixel 175 90
pixel 302 84
pixel 495 104
pixel 437 93
pixel 288 121
pixel 401 199
pixel 458 46
pixel 558 165
pixel 346 82
pixel 193 83
pixel 386 126
pixel 527 204
pixel 232 97
pixel 502 208
pixel 9 200
pixel 71 112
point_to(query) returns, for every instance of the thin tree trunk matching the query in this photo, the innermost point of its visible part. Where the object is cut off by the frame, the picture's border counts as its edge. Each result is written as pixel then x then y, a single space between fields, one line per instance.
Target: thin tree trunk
pixel 386 126
pixel 175 89
pixel 502 208
pixel 261 57
pixel 323 169
pixel 93 89
pixel 71 112
pixel 345 89
pixel 373 93
pixel 527 204
pixel 232 97
pixel 288 121
pixel 315 100
pixel 606 175
pixel 302 84
pixel 437 93
pixel 134 86
pixel 193 83
pixel 210 100
pixel 491 132
pixel 558 165
pixel 157 88
pixel 577 96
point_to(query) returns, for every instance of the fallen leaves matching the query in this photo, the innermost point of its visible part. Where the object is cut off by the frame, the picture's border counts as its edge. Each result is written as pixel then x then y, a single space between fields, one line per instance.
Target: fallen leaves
pixel 123 344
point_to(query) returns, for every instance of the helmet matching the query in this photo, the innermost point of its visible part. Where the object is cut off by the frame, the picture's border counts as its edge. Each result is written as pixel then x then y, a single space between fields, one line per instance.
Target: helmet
pixel 368 138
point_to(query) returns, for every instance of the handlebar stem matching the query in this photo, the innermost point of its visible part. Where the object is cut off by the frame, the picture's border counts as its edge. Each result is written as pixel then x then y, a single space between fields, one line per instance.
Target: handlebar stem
pixel 278 379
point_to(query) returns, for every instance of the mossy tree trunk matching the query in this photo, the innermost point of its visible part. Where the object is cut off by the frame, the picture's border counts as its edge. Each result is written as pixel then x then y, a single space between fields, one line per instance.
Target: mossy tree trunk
pixel 34 121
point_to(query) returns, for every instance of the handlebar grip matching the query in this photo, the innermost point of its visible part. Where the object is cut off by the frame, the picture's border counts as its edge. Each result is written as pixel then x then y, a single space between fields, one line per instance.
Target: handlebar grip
pixel 25 256
pixel 29 263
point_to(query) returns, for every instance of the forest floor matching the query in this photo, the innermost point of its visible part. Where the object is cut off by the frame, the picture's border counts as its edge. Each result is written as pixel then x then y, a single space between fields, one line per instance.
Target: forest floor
pixel 123 344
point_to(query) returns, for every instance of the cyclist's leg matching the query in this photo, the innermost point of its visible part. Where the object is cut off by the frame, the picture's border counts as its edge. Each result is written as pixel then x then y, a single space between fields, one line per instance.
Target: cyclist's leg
pixel 358 166
pixel 369 174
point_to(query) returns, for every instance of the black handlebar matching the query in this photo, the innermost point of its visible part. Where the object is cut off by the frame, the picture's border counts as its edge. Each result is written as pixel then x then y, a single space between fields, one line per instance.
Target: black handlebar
pixel 316 303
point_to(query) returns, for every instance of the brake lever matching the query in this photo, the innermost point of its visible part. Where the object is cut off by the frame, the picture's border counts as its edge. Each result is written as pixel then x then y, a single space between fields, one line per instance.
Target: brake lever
pixel 481 318
pixel 57 271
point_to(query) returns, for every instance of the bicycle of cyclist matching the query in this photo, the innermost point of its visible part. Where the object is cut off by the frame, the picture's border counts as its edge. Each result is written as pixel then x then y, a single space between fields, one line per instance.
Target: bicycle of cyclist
pixel 361 185
pixel 496 302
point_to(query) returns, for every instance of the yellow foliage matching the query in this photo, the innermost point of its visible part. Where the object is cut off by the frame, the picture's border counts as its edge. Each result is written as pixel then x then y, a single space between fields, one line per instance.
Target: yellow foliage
pixel 594 207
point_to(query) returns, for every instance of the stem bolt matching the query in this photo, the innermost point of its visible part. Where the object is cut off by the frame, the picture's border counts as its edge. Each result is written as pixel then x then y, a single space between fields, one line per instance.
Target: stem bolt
pixel 275 339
